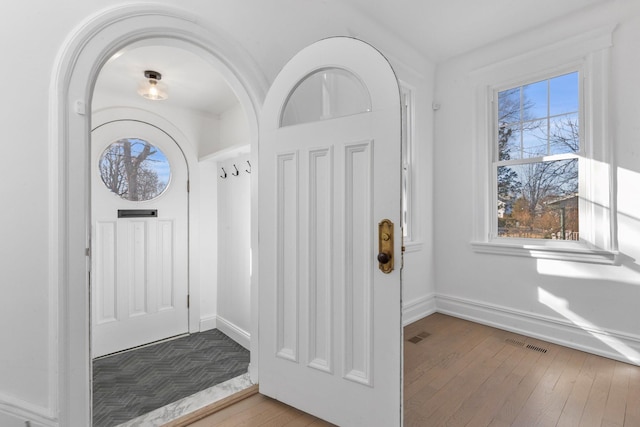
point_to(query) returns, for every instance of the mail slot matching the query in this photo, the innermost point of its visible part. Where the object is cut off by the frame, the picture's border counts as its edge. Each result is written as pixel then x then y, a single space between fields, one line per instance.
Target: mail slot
pixel 137 213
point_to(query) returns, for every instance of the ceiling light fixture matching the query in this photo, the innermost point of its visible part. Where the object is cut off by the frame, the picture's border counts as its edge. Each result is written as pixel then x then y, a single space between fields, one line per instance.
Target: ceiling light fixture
pixel 152 88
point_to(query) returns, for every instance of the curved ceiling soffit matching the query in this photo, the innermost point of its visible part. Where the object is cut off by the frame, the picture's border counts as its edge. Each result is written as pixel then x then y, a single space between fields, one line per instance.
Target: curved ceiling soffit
pixel 116 28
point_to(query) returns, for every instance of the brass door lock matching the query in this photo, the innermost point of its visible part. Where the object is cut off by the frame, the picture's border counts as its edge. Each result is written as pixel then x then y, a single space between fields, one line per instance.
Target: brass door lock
pixel 385 246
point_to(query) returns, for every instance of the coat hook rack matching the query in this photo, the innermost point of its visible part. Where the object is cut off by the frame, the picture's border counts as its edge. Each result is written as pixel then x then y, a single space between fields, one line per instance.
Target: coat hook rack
pixel 225 174
pixel 248 170
pixel 237 171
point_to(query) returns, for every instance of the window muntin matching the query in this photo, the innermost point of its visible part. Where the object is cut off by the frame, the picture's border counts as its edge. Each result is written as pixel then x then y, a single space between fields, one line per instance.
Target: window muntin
pixel 134 169
pixel 536 159
pixel 325 94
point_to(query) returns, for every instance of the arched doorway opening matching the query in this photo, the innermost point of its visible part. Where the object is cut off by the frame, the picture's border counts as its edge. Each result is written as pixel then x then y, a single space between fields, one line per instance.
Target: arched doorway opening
pixel 79 65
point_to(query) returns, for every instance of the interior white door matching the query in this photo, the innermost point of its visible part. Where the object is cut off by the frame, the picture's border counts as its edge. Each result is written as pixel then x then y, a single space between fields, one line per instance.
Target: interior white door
pixel 140 236
pixel 330 319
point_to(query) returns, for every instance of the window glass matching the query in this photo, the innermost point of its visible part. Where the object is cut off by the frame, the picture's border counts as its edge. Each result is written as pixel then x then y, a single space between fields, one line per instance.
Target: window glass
pixel 564 134
pixel 535 97
pixel 534 139
pixel 563 94
pixel 134 169
pixel 539 200
pixel 537 169
pixel 326 94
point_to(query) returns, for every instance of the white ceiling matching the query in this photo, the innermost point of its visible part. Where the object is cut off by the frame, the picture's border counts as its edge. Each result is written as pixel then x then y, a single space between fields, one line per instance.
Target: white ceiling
pixel 441 29
pixel 438 29
pixel 191 82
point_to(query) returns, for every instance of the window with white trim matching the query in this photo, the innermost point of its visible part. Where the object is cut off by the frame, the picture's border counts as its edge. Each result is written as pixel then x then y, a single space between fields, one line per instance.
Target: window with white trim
pixel 543 171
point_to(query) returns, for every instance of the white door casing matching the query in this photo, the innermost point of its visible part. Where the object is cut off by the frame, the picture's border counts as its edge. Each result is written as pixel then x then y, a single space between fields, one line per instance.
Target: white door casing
pixel 140 264
pixel 330 320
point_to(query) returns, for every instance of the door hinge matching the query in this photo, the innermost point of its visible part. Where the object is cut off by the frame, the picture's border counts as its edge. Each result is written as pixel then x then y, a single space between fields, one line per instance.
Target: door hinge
pixel 87 251
pixel 80 107
pixel 188 301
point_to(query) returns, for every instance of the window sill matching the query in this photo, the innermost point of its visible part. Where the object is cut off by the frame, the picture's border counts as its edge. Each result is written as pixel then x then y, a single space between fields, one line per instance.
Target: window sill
pixel 565 251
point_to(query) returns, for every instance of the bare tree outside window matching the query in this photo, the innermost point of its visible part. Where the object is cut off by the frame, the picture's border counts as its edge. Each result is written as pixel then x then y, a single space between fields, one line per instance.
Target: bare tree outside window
pixel 538 140
pixel 134 169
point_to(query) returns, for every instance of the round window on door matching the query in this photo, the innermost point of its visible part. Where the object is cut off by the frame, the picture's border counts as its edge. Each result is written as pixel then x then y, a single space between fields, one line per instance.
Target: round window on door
pixel 134 169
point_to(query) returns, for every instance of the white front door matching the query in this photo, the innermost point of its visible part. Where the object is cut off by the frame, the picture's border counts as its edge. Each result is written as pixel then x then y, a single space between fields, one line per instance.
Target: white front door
pixel 330 319
pixel 139 205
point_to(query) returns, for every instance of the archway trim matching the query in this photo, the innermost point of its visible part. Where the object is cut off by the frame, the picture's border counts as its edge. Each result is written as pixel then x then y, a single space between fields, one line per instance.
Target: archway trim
pixel 78 64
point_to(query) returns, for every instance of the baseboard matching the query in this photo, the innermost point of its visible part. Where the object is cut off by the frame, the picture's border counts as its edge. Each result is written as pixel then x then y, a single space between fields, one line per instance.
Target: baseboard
pixel 237 334
pixel 10 420
pixel 15 412
pixel 611 344
pixel 208 323
pixel 418 308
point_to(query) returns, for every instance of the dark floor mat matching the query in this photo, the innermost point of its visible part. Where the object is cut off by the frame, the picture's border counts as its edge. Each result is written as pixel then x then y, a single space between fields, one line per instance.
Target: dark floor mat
pixel 133 383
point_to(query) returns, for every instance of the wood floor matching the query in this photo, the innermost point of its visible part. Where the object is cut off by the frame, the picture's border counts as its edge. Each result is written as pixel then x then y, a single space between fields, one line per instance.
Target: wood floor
pixel 459 373
pixel 259 410
pixel 465 374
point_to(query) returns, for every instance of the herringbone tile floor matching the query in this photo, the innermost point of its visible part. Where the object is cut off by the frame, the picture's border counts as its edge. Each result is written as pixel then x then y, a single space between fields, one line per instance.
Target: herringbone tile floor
pixel 130 384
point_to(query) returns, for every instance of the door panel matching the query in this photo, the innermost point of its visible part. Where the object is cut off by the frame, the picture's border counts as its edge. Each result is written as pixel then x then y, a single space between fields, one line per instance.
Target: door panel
pixel 321 244
pixel 105 275
pixel 330 320
pixel 358 284
pixel 140 263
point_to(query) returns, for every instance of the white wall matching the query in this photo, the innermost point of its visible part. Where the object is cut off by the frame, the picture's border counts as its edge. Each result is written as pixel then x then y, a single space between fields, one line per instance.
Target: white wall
pixel 27 323
pixel 227 131
pixel 234 130
pixel 208 245
pixel 229 139
pixel 234 246
pixel 592 301
pixel 29 358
